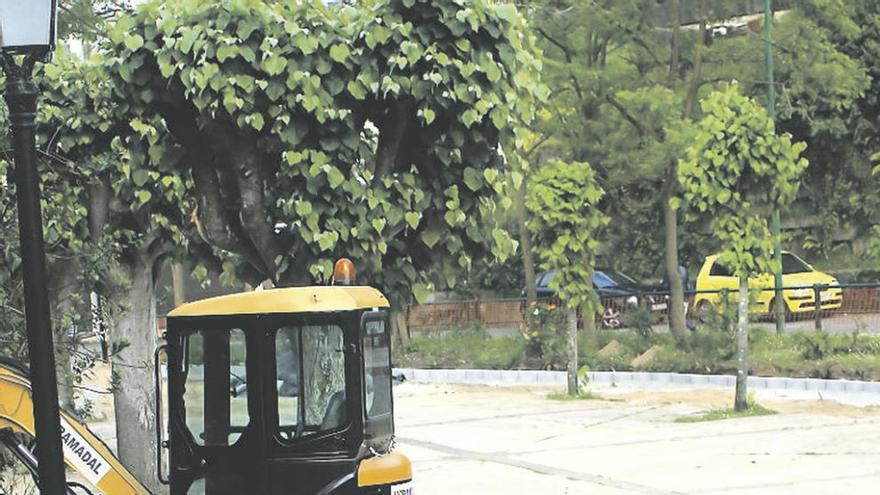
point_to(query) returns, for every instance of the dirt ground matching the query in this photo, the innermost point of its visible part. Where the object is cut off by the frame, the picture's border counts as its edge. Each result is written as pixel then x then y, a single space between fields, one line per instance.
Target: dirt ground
pixel 502 440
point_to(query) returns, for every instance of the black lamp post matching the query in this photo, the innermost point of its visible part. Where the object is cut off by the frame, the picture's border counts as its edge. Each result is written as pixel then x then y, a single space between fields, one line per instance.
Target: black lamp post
pixel 27 31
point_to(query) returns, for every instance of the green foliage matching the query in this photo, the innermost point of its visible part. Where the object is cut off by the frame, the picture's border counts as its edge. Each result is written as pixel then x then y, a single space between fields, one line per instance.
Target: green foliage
pixel 564 220
pixel 563 397
pixel 372 129
pixel 641 319
pixel 737 170
pixel 545 334
pixel 753 409
pixel 460 348
pixel 820 345
pixel 710 351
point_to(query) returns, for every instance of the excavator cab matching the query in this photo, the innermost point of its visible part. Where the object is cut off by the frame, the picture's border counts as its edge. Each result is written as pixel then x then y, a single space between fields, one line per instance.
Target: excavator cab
pixel 284 391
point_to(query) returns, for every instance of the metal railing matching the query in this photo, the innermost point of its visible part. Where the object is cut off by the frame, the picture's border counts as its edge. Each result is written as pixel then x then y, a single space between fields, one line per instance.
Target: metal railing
pixel 842 308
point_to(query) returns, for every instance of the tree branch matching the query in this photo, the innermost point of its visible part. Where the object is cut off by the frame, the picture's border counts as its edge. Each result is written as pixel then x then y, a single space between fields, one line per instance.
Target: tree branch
pixel 391 131
pixel 626 115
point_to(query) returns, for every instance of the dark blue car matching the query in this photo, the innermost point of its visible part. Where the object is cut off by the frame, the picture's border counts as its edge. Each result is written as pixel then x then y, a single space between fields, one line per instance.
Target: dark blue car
pixel 617 291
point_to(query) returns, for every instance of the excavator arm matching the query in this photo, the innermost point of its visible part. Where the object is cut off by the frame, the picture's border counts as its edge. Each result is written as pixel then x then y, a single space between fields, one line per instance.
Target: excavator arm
pixel 84 452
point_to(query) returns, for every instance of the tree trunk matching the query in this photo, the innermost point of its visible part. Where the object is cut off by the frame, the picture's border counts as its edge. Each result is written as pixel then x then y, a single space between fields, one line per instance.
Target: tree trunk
pixel 178 283
pixel 525 242
pixel 398 326
pixel 134 393
pixel 742 342
pixel 676 291
pixel 589 322
pixel 572 368
pixel 588 313
pixel 62 297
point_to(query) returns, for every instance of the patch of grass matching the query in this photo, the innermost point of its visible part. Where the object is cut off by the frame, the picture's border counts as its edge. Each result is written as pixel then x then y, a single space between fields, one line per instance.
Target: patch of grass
pixel 851 356
pixel 560 396
pixel 754 409
pixel 464 348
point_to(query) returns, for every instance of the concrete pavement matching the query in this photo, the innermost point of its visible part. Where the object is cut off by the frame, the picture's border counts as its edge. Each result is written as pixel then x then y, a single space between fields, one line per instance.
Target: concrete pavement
pixel 503 440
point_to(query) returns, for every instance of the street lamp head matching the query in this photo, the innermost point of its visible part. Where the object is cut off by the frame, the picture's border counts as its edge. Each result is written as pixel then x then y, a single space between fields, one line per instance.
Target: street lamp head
pixel 27 26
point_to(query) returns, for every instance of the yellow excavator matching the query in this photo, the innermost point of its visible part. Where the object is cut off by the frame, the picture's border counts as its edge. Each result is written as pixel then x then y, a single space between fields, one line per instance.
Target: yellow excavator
pixel 283 391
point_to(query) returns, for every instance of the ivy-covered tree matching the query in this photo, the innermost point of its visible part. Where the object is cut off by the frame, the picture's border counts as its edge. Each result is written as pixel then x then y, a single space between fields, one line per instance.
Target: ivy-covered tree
pixel 369 131
pixel 565 220
pixel 120 173
pixel 736 172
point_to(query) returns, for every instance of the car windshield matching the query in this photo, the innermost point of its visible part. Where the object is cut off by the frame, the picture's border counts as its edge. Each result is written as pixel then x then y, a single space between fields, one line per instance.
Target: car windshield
pixel 546 278
pixel 611 278
pixel 793 264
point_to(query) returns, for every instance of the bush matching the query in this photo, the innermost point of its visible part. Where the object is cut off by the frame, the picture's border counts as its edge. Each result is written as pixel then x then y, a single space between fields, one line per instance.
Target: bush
pixel 639 319
pixel 719 316
pixel 545 334
pixel 819 345
pixel 713 343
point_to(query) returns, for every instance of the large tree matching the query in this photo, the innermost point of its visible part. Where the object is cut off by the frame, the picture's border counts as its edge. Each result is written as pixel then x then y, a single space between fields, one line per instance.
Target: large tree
pixel 129 206
pixel 370 132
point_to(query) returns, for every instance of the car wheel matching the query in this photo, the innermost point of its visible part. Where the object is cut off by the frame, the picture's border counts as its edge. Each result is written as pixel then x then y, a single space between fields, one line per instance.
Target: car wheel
pixel 789 316
pixel 611 317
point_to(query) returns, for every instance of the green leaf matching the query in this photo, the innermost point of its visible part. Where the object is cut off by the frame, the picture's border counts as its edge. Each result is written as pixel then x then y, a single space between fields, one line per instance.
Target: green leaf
pixel 307 44
pixel 473 179
pixel 430 237
pixel 274 65
pixel 428 115
pixel 420 292
pixel 140 177
pixel 334 176
pixel 143 196
pixel 339 53
pixel 188 37
pixel 412 219
pixel 225 51
pixel 256 121
pixel 133 41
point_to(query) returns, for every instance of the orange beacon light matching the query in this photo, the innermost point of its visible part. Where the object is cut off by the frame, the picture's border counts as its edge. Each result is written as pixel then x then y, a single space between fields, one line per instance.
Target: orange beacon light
pixel 343 272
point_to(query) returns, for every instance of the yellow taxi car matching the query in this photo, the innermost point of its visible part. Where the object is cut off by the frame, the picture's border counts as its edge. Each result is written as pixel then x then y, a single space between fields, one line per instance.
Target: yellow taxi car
pixel 796 273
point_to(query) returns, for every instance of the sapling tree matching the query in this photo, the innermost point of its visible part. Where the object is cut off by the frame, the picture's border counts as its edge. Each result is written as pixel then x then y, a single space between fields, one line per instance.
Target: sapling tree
pixel 562 199
pixel 736 172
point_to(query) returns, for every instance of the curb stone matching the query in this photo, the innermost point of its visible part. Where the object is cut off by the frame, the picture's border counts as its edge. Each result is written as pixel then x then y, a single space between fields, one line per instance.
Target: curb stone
pixel 636 380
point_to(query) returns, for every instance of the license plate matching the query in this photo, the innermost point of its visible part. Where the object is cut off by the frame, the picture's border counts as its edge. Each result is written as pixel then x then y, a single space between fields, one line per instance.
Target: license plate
pixel 402 489
pixel 658 306
pixel 827 296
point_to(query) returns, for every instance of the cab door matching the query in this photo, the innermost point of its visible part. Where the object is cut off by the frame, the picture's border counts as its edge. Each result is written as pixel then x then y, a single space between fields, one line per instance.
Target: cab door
pixel 215 422
pixel 312 388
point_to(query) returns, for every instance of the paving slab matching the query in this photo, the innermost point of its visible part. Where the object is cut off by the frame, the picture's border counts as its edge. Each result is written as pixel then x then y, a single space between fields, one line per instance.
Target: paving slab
pixel 509 440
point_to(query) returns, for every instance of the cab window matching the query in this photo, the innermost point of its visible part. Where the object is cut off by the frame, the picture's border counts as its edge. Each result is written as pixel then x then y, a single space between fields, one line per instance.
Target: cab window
pixel 377 369
pixel 215 386
pixel 310 380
